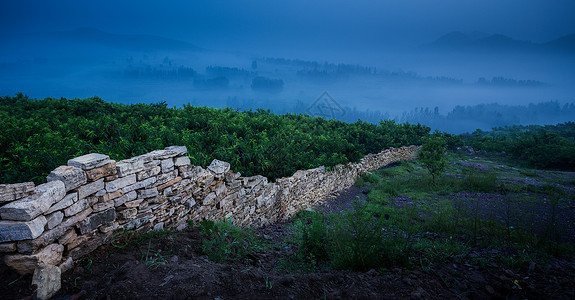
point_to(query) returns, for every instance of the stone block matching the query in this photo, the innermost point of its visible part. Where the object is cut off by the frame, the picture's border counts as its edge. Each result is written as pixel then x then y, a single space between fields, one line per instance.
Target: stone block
pixel 11 192
pixel 163 178
pixel 167 165
pixel 68 264
pixel 77 207
pixel 54 219
pixel 67 201
pixel 98 207
pixel 127 214
pixel 106 170
pixel 120 183
pixel 109 228
pixel 182 161
pixel 169 152
pixel 137 223
pixel 131 166
pixel 90 188
pixel 38 203
pixel 148 193
pixel 71 176
pixel 89 161
pixel 127 197
pixel 113 195
pixel 8 247
pixel 219 167
pixel 96 220
pixel 145 174
pixel 135 203
pixel 169 183
pixel 47 280
pixel 210 199
pixel 26 264
pixel 139 185
pixel 18 231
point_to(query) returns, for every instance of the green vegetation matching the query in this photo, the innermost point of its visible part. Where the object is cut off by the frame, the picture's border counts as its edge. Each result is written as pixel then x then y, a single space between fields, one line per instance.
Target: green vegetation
pixel 36 136
pixel 407 221
pixel 432 157
pixel 225 242
pixel 543 147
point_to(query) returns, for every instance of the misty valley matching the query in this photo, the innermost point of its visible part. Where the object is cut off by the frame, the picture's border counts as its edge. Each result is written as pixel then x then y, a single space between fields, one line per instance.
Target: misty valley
pixel 439 85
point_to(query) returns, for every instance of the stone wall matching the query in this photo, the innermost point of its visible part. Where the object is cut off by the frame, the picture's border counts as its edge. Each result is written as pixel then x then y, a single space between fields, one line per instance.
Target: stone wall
pixel 85 202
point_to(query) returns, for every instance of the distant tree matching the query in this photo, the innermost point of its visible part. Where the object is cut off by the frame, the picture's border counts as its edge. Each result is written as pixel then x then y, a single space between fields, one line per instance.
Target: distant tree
pixel 254 65
pixel 432 156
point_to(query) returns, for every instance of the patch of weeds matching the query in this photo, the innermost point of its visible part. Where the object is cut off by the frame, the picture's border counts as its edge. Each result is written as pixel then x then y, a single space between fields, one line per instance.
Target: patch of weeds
pixel 133 238
pixel 153 258
pixel 430 252
pixel 227 242
pixel 86 263
pixel 480 182
pixel 528 172
pixel 380 196
pixel 367 179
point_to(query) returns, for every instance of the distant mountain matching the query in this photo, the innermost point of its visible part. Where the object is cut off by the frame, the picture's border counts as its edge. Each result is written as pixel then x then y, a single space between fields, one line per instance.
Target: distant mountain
pixel 91 36
pixel 477 41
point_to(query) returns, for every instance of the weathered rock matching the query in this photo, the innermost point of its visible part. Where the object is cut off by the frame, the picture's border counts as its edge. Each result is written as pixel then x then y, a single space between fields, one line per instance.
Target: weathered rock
pixel 163 178
pixel 182 161
pixel 127 214
pixel 90 188
pixel 68 237
pixel 38 203
pixel 120 183
pixel 109 228
pixel 67 201
pixel 98 207
pixel 11 192
pixel 167 165
pixel 139 185
pixel 71 176
pixel 127 197
pixel 148 193
pixel 169 152
pixel 210 199
pixel 106 170
pixel 96 220
pixel 26 264
pixel 132 165
pixel 219 167
pixel 47 280
pixel 8 247
pixel 145 174
pixel 89 161
pixel 54 219
pixel 137 223
pixel 135 203
pixel 68 264
pixel 76 208
pixel 169 183
pixel 18 231
pixel 113 195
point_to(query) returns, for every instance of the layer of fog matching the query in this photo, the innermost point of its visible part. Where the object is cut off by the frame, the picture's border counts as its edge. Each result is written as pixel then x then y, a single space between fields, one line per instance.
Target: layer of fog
pixel 368 84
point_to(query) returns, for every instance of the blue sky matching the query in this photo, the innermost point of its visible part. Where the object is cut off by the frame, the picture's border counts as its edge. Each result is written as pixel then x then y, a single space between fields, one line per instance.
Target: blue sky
pixel 359 21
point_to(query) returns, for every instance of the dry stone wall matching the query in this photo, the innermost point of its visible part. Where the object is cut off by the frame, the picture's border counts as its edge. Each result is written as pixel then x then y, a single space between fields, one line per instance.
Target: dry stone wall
pixel 85 202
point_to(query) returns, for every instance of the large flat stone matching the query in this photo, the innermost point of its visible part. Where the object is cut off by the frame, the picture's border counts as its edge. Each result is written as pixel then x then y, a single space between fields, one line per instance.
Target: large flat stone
pixel 169 152
pixel 127 197
pixel 106 170
pixel 90 188
pixel 18 231
pixel 96 220
pixel 71 176
pixel 133 165
pixel 79 206
pixel 11 192
pixel 167 165
pixel 38 203
pixel 182 161
pixel 89 161
pixel 139 185
pixel 219 167
pixel 179 150
pixel 26 264
pixel 120 183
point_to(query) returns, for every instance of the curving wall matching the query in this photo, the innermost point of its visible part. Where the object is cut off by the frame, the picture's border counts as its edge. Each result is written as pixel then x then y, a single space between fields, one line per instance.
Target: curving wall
pixel 44 228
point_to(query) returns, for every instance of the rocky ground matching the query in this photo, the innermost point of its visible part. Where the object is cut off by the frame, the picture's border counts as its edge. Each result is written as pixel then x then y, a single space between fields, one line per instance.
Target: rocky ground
pixel 176 269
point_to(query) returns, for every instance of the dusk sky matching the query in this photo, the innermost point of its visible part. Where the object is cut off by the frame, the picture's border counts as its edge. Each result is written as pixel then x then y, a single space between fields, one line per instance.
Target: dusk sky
pixel 363 22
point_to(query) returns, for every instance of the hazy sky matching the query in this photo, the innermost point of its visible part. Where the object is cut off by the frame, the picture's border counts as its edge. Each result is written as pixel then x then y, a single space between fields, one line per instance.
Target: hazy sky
pixel 374 22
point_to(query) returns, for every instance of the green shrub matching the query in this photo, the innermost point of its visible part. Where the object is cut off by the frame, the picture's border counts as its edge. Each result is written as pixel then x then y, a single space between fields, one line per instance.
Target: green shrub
pixel 226 242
